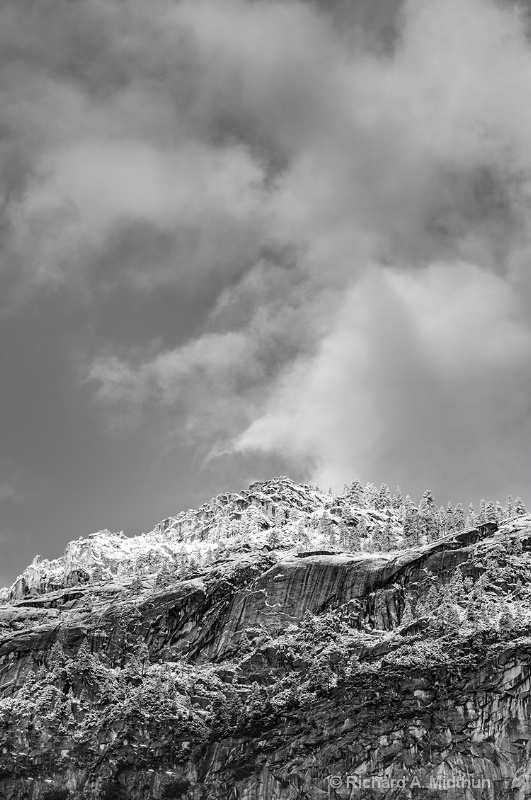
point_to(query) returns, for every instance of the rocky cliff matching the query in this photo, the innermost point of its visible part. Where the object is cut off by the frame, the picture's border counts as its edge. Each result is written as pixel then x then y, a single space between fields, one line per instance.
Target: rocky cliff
pixel 245 650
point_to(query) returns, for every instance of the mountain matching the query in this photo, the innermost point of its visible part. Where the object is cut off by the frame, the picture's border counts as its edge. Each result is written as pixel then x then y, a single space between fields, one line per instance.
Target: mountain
pixel 275 643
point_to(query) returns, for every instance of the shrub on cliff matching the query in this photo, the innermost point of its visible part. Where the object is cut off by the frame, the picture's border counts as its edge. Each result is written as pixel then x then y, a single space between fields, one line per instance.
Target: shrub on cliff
pixel 56 794
pixel 113 791
pixel 176 789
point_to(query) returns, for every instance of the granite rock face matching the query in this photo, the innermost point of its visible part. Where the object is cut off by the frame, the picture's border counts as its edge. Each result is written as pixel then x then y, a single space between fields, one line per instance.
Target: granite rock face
pixel 269 672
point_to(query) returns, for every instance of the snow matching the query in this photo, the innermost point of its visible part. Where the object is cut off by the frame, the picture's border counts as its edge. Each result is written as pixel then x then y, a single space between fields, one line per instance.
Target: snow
pixel 277 514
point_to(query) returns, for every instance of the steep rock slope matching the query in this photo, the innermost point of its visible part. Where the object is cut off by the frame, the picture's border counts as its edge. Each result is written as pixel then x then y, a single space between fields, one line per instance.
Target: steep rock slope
pixel 265 670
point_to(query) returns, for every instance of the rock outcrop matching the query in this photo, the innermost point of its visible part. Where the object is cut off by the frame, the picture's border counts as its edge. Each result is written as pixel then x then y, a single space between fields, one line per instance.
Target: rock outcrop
pixel 266 668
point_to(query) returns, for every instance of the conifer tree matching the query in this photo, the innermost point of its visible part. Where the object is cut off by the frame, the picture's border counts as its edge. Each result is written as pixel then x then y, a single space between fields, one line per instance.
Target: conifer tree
pixel 407 615
pixel 411 527
pixel 273 538
pixel 325 525
pixel 142 654
pixel 519 506
pixel 355 494
pixel 490 512
pixel 471 519
pixel 343 535
pixel 427 516
pixel 332 537
pixel 441 521
pixel 354 539
pixel 383 499
pixel 397 500
pixel 450 521
pixel 451 618
pixel 164 576
pixel 509 508
pixel 193 563
pixel 506 620
pixel 388 536
pixel 370 493
pixel 279 517
pixel 457 588
pixel 481 515
pixel 459 518
pixel 378 541
pixel 360 533
pixel 56 656
pixel 432 600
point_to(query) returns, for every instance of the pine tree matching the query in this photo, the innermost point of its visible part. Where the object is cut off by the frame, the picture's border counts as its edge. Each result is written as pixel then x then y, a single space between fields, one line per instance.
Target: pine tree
pixel 244 644
pixel 383 500
pixel 509 508
pixel 332 537
pixel 457 588
pixel 343 535
pixel 142 655
pixel 378 539
pixel 519 506
pixel 459 518
pixel 441 521
pixel 355 494
pixel 506 620
pixel 354 539
pixel 427 516
pixel 56 657
pixel 388 536
pixel 471 519
pixel 407 615
pixel 482 516
pixel 432 599
pixel 451 618
pixel 279 517
pixel 411 527
pixel 370 493
pixel 490 512
pixel 325 525
pixel 273 538
pixel 97 573
pixel 360 534
pixel 450 522
pixel 397 500
pixel 193 564
pixel 182 563
pixel 500 512
pixel 164 576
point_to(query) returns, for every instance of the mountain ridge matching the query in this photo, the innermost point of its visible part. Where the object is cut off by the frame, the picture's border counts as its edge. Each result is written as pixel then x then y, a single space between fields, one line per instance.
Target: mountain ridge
pixel 277 662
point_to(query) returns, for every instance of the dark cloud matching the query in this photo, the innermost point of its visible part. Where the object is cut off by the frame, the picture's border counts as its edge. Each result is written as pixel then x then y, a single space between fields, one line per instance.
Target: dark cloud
pixel 263 233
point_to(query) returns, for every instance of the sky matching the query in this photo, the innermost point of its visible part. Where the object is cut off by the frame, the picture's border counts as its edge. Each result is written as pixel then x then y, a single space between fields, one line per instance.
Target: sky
pixel 248 238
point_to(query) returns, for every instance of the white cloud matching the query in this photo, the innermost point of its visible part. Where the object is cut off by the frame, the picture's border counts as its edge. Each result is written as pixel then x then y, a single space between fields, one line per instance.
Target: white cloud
pixel 366 213
pixel 425 377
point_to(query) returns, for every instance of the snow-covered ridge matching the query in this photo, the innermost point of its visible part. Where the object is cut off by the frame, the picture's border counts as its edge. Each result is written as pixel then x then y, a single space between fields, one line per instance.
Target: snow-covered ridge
pixel 195 536
pixel 271 514
pixel 262 500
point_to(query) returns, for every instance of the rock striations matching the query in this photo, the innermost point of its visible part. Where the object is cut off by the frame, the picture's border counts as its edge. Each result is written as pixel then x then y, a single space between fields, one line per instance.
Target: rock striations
pixel 274 644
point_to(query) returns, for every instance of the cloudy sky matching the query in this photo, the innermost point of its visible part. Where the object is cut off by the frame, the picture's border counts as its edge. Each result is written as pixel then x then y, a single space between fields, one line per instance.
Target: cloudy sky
pixel 241 238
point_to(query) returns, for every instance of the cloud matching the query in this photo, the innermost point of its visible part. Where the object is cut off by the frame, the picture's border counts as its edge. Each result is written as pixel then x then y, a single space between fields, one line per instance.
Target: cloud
pixel 361 203
pixel 90 192
pixel 423 368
